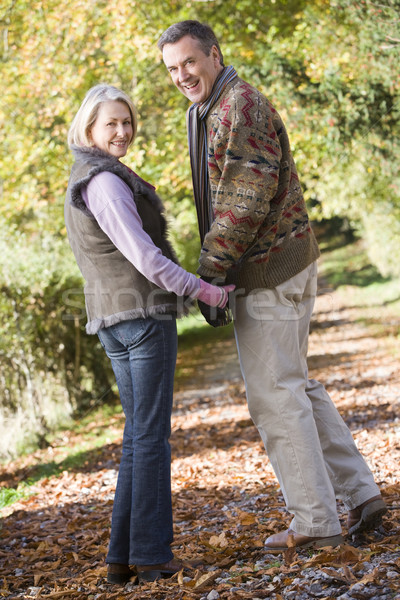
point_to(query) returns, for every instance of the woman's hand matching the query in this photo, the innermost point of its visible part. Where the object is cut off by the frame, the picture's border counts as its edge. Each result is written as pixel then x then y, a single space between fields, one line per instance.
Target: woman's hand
pixel 214 295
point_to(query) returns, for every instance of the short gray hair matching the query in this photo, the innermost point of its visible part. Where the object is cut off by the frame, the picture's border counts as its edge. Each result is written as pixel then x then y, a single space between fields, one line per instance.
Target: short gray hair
pixel 78 134
pixel 198 31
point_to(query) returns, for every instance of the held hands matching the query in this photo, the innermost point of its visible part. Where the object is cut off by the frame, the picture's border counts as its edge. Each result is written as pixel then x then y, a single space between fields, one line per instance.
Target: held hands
pixel 214 295
pixel 212 301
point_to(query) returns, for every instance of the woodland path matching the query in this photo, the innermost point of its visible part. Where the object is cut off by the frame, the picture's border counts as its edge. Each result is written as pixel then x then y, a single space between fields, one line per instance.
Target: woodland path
pixel 226 498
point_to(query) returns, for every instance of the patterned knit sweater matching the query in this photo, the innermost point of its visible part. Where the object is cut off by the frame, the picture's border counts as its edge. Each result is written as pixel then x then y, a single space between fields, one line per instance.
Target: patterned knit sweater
pixel 261 235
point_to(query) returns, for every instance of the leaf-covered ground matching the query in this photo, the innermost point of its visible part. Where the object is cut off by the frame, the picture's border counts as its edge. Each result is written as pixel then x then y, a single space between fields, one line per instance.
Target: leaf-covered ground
pixel 226 498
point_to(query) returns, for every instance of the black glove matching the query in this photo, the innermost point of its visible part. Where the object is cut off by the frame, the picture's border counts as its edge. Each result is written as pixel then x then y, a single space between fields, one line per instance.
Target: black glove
pixel 217 317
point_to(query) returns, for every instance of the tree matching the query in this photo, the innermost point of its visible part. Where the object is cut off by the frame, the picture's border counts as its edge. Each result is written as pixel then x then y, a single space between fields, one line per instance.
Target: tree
pixel 330 67
pixel 345 90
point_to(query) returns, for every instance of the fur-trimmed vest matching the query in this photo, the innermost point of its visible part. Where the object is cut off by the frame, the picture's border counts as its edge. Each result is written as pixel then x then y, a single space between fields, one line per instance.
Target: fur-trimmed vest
pixel 114 289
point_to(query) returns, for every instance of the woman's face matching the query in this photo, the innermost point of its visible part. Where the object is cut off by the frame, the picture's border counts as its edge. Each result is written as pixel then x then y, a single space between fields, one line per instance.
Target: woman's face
pixel 112 131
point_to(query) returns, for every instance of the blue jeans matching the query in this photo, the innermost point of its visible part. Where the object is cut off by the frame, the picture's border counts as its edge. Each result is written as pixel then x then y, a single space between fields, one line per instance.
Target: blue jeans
pixel 143 356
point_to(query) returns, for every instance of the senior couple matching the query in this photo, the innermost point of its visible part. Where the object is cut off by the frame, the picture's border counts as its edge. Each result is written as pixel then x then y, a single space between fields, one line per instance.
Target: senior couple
pixel 257 240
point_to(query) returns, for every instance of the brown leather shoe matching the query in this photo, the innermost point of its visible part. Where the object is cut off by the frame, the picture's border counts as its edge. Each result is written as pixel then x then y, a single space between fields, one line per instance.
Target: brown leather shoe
pixel 163 571
pixel 367 516
pixel 279 542
pixel 120 574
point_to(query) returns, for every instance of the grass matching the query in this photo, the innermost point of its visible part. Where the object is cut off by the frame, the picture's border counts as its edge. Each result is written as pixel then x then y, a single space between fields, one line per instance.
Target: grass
pixel 71 449
pixel 10 495
pixel 359 286
pixel 346 268
pixel 194 326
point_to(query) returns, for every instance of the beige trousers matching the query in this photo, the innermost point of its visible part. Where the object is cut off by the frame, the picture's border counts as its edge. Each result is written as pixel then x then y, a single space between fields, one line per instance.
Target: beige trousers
pixel 310 448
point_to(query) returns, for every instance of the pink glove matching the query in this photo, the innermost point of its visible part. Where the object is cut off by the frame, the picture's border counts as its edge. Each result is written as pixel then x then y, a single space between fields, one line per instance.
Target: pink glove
pixel 214 295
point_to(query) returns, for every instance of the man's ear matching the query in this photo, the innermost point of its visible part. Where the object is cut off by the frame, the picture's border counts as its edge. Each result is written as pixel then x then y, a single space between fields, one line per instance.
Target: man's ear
pixel 216 56
pixel 215 53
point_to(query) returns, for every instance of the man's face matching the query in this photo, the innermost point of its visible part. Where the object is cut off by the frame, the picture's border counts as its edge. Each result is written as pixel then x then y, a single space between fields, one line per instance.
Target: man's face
pixel 192 71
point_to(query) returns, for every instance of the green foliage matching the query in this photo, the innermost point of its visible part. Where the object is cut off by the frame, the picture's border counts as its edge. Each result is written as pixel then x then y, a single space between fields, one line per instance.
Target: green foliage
pixel 49 367
pixel 331 67
pixel 349 151
pixel 10 495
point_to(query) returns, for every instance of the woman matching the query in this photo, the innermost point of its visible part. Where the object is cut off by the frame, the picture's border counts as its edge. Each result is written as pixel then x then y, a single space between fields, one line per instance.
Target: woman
pixel 134 289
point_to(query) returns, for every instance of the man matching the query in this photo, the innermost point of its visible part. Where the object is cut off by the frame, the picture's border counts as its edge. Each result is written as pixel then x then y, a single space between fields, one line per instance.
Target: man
pixel 256 234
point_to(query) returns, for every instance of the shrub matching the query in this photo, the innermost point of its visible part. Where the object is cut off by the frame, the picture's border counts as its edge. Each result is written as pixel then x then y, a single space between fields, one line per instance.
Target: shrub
pixel 50 368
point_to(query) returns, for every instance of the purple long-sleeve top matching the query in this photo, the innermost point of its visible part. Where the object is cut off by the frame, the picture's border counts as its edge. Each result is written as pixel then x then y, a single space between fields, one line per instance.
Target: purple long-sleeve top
pixel 111 202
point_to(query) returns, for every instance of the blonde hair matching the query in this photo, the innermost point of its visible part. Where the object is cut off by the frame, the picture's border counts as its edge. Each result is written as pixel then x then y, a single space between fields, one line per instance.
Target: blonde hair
pixel 79 132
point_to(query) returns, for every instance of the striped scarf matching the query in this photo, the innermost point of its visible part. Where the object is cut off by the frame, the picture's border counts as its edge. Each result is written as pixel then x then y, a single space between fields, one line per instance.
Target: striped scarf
pixel 197 138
